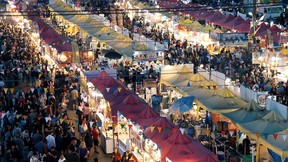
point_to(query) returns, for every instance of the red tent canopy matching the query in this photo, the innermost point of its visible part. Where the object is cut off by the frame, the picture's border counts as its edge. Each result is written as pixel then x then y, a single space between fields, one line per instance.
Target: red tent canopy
pixel 107 84
pixel 118 99
pixel 147 117
pixel 276 33
pixel 224 20
pixel 179 147
pixel 243 27
pixel 102 77
pixel 203 15
pixel 167 3
pixel 113 85
pixel 262 30
pixel 116 94
pixel 194 13
pixel 148 113
pixel 50 36
pixel 132 104
pixel 63 47
pixel 165 127
pixel 236 21
pixel 216 16
pixel 275 29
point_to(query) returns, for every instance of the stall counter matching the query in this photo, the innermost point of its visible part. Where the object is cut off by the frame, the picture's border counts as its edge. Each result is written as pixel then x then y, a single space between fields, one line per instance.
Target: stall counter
pixel 138 156
pixel 107 143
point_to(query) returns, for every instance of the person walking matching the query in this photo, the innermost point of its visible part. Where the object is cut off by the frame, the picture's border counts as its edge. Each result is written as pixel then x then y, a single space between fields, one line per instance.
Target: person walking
pixel 83 152
pixel 74 96
pixel 88 141
pixel 95 134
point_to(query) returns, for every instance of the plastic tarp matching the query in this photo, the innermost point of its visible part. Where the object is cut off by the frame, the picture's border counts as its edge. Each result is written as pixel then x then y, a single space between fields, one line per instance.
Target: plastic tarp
pixel 269 124
pixel 165 127
pixel 222 101
pixel 182 105
pixel 179 147
pixel 251 112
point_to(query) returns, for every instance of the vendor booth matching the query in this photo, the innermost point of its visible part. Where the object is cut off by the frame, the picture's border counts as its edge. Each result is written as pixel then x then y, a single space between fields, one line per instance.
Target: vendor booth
pixel 124 121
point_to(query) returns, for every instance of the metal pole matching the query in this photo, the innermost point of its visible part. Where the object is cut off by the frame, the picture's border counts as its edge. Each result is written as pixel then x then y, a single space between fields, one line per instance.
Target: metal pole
pixel 254 22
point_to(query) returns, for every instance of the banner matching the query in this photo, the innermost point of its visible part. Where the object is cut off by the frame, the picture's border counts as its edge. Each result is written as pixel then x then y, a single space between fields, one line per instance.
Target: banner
pixel 230 39
pixel 148 55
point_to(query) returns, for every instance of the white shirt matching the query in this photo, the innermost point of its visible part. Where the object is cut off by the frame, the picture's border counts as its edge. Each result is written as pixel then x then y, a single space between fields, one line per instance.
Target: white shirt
pixel 62 160
pixel 50 141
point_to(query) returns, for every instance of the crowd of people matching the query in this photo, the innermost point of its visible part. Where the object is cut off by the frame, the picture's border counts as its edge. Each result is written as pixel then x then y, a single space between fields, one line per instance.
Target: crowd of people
pixel 35 98
pixel 236 64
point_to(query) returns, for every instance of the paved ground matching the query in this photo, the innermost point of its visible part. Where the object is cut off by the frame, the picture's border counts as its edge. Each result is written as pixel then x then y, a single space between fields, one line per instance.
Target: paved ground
pixel 102 157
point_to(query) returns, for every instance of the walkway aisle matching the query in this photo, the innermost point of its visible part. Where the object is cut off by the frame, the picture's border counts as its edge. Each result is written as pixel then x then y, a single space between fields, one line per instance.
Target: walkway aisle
pixel 102 157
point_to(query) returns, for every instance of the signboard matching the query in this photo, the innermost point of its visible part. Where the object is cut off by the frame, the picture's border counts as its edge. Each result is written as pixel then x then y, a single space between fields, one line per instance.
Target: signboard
pixel 148 55
pixel 261 98
pixel 230 39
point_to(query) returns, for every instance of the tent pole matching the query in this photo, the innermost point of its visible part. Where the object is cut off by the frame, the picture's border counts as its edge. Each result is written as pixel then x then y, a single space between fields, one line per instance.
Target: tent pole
pixel 257 151
pixel 197 114
pixel 160 87
pixel 283 158
pixel 237 140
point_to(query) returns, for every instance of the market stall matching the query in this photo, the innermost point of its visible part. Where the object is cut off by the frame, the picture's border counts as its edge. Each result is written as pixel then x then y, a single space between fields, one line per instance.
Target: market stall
pixel 225 99
pixel 180 143
pixel 269 124
pixel 252 111
pixel 84 22
pixel 123 127
pixel 163 130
